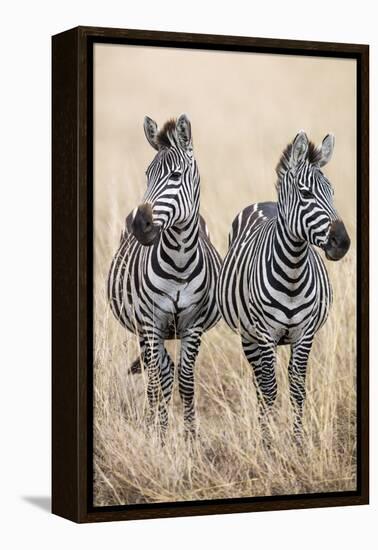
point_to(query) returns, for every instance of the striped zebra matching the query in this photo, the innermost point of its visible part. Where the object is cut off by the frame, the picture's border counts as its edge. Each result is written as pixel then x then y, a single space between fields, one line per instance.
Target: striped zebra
pixel 162 281
pixel 273 287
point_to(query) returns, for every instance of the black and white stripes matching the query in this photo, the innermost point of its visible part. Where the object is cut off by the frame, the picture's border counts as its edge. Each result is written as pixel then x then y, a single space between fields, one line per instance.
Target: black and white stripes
pixel 162 279
pixel 273 287
pixel 166 279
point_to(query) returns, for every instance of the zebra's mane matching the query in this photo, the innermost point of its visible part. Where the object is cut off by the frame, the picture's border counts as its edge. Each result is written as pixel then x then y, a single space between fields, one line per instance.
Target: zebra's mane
pixel 168 129
pixel 313 156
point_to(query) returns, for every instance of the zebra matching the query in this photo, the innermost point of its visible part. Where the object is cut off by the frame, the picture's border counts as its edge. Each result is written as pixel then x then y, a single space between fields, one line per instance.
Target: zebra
pixel 273 287
pixel 162 280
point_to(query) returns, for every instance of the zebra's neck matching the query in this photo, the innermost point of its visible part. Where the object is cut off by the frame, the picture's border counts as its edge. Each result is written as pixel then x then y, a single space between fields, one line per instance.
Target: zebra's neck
pixel 288 253
pixel 178 246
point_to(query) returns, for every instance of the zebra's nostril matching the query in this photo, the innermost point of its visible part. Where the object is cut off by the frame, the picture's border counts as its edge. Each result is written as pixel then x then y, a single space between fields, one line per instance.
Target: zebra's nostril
pixel 333 241
pixel 143 227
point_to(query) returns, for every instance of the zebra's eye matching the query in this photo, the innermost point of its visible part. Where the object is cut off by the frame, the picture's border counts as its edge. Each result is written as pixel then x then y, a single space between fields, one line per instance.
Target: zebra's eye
pixel 175 176
pixel 306 194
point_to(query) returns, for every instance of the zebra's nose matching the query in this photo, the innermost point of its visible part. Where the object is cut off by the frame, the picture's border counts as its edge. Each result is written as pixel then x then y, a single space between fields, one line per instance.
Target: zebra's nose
pixel 143 227
pixel 338 241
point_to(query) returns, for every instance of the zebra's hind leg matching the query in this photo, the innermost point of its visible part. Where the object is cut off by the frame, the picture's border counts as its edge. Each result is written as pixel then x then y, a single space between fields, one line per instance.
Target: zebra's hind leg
pixel 300 352
pixel 190 343
pixel 160 372
pixel 138 364
pixel 262 358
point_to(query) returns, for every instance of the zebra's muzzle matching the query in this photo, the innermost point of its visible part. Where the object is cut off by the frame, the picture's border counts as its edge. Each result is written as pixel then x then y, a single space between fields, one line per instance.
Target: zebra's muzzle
pixel 338 242
pixel 143 227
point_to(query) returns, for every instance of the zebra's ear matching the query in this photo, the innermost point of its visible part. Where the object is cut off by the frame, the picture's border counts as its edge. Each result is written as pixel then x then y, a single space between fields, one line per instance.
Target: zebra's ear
pixel 299 149
pixel 327 146
pixel 184 131
pixel 151 131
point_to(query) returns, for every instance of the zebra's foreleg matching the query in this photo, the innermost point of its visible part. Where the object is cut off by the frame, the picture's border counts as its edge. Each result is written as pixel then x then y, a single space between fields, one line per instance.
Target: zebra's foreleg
pixel 190 343
pixel 166 385
pixel 160 370
pixel 300 352
pixel 262 358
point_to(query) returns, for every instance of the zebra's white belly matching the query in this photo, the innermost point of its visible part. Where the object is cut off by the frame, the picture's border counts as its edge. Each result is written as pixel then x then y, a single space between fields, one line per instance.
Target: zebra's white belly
pixel 288 326
pixel 179 306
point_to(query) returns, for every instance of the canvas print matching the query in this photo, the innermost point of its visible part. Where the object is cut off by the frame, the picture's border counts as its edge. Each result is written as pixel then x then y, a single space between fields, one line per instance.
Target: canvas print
pixel 224 275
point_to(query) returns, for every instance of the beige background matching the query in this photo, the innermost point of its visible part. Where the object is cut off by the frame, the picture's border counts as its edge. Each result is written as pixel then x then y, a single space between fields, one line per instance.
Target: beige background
pixel 244 109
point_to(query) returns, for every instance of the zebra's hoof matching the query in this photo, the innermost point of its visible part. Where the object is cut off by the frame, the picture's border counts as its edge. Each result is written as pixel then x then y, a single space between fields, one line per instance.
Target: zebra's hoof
pixel 299 441
pixel 267 444
pixel 136 366
pixel 192 436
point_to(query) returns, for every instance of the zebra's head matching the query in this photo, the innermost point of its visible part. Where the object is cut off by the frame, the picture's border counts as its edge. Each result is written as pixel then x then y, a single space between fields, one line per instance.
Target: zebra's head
pixel 305 196
pixel 172 195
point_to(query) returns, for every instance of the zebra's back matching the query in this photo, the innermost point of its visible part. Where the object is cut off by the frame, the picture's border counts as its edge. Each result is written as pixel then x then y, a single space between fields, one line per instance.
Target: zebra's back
pixel 249 218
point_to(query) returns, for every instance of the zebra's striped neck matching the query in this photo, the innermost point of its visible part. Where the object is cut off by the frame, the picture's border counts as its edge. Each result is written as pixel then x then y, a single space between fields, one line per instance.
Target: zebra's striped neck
pixel 288 252
pixel 178 246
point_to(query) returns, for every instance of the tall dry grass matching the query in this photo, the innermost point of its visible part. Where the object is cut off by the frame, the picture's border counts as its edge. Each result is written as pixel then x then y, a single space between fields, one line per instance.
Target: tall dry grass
pixel 238 137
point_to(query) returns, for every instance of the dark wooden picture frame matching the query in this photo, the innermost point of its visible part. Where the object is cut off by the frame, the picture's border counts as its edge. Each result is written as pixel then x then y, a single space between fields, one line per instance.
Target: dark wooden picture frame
pixel 72 221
